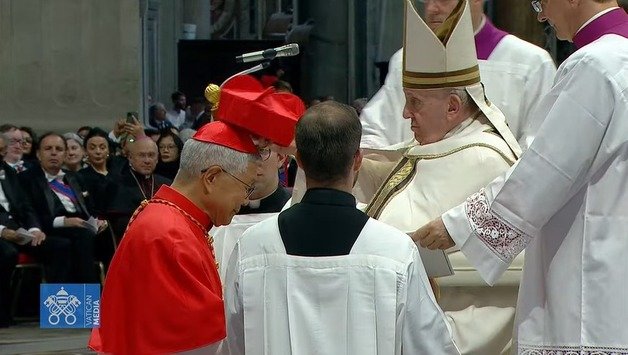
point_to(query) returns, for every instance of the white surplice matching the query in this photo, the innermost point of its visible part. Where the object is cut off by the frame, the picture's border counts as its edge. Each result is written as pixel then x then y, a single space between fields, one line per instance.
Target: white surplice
pixel 566 203
pixel 376 300
pixel 446 172
pixel 515 76
pixel 226 237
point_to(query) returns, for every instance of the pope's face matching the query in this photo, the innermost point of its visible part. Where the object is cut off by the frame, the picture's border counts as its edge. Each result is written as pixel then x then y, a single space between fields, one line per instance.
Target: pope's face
pixel 232 191
pixel 427 112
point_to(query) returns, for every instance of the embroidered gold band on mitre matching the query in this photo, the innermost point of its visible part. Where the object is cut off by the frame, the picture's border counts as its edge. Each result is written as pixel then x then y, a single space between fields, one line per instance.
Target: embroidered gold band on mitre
pixel 458 78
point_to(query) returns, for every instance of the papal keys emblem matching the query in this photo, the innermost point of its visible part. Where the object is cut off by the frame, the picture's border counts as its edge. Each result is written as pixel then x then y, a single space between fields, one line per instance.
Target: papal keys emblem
pixel 62 304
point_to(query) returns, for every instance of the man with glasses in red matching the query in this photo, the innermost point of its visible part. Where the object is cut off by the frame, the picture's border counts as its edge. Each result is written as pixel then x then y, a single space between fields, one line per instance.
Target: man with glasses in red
pixel 163 292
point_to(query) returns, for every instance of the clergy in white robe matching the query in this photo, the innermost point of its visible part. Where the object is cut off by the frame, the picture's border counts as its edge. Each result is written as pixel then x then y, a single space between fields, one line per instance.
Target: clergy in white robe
pixel 324 278
pixel 435 174
pixel 268 198
pixel 566 200
pixel 226 237
pixel 515 73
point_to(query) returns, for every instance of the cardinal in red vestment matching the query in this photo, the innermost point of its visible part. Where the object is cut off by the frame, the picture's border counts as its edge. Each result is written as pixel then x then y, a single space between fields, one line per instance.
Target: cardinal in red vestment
pixel 163 293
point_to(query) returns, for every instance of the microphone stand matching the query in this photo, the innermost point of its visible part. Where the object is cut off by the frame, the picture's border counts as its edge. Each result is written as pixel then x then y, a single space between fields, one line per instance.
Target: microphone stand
pixel 260 66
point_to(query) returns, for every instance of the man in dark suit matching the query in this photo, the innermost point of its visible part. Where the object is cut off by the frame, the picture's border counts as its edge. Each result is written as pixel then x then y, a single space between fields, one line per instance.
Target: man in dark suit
pixel 16 213
pixel 58 201
pixel 135 183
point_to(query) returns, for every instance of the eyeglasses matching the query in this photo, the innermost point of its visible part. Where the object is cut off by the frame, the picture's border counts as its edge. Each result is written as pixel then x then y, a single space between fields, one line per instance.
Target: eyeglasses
pixel 168 147
pixel 249 188
pixel 27 141
pixel 13 141
pixel 536 5
pixel 264 153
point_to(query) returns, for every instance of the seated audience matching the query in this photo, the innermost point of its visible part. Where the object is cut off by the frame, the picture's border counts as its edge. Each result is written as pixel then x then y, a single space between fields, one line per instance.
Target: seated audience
pixel 170 146
pixel 29 145
pixel 100 163
pixel 76 153
pixel 14 153
pixel 15 213
pixel 58 200
pixel 135 183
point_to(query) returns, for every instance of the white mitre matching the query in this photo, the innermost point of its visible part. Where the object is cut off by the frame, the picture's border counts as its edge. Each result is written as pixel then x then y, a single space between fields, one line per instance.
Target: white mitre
pixel 446 58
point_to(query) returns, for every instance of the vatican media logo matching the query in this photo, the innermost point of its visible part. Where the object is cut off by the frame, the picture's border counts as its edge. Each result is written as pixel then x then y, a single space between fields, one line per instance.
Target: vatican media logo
pixel 69 305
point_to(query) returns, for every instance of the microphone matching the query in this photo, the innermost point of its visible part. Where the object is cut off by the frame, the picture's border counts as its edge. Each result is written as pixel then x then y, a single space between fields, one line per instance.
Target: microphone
pixel 288 50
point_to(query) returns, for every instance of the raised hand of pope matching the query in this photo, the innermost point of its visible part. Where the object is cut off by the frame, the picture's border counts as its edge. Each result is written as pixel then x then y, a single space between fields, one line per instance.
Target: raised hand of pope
pixel 433 235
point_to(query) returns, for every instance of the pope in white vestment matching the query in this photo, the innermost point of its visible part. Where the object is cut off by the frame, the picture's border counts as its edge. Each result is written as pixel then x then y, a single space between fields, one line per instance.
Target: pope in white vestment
pixel 565 202
pixel 516 75
pixel 431 178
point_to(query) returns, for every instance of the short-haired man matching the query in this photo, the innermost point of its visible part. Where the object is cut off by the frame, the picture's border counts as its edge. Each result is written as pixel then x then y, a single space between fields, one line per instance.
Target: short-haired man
pixel 58 200
pixel 163 293
pixel 324 277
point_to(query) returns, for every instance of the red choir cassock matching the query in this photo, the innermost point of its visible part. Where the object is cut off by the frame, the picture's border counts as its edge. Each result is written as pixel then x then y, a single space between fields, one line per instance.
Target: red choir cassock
pixel 163 293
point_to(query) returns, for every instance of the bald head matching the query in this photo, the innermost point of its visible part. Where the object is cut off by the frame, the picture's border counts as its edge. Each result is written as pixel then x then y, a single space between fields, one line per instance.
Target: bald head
pixel 143 155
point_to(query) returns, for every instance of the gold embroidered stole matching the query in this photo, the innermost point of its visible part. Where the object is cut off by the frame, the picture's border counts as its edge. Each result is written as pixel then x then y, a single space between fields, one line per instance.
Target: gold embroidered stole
pixel 404 171
pixel 396 181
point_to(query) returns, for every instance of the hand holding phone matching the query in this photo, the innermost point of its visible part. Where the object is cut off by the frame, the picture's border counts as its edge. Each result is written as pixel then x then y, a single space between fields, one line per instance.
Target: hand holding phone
pixel 131 117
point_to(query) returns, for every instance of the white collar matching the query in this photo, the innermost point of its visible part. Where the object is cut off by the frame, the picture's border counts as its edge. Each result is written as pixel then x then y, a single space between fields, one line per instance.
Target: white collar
pixel 17 163
pixel 51 177
pixel 256 203
pixel 133 171
pixel 595 17
pixel 462 126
